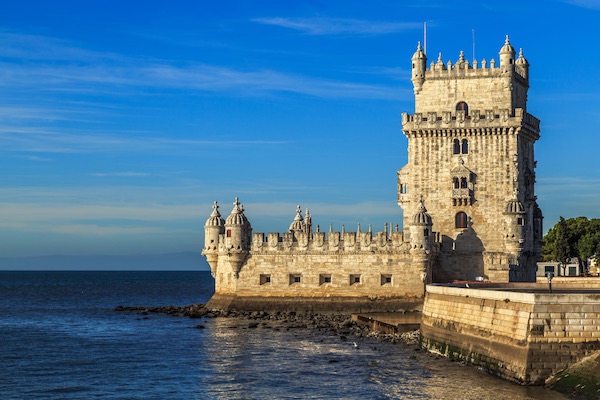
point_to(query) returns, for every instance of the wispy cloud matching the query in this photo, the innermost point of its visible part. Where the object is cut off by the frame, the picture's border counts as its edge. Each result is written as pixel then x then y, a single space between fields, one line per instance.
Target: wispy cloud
pixel 209 78
pixel 338 26
pixel 120 174
pixel 16 138
pixel 44 64
pixel 590 4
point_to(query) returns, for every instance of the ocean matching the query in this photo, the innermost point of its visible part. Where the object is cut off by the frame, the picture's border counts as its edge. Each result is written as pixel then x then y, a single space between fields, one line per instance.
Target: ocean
pixel 60 338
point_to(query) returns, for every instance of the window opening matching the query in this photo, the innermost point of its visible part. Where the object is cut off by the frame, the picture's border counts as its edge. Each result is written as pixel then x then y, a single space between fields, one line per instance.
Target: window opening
pixel 462 106
pixel 265 278
pixel 460 220
pixel 324 278
pixel 465 146
pixel 386 279
pixel 456 147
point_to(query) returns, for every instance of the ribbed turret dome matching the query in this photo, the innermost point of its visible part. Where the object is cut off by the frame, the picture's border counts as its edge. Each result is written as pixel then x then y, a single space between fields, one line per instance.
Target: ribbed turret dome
pixel 514 206
pixel 507 48
pixel 237 216
pixel 419 53
pixel 215 218
pixel 422 217
pixel 521 60
pixel 297 224
pixel 537 212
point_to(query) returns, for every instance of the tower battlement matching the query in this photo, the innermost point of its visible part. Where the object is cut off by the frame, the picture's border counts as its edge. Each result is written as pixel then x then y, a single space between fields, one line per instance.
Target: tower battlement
pixel 329 242
pixel 463 69
pixel 478 86
pixel 475 122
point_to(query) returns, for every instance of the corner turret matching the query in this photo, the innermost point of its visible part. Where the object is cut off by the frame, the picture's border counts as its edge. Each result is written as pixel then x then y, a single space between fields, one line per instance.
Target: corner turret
pixel 507 56
pixel 420 228
pixel 522 65
pixel 419 66
pixel 514 218
pixel 238 236
pixel 213 228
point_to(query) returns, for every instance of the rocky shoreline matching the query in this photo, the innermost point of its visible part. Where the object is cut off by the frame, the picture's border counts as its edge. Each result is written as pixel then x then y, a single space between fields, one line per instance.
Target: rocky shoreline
pixel 338 324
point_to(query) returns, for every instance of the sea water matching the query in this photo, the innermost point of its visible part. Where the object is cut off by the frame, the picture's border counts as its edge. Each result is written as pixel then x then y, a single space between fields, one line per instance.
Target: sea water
pixel 61 339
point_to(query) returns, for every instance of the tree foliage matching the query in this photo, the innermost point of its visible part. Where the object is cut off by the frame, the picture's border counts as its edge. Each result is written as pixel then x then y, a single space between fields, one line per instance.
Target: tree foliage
pixel 572 238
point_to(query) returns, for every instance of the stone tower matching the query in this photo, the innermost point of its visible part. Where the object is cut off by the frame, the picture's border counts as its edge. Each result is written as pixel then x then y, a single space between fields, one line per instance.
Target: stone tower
pixel 213 229
pixel 238 236
pixel 471 159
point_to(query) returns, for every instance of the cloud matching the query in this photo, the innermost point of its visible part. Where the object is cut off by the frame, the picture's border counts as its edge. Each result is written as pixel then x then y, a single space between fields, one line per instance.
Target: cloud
pixel 17 138
pixel 120 174
pixel 42 64
pixel 202 77
pixel 339 26
pixel 589 4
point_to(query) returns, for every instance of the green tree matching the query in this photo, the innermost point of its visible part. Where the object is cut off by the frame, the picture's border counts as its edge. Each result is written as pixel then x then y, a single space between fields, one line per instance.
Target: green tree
pixel 572 238
pixel 562 247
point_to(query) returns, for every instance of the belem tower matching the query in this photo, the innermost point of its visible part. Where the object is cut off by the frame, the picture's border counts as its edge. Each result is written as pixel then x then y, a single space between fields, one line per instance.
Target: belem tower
pixel 467 195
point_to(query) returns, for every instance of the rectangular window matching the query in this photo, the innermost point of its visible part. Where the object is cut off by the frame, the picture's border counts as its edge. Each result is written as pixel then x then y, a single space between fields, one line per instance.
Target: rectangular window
pixel 520 221
pixel 548 269
pixel 265 279
pixel 324 278
pixel 295 278
pixel 386 279
pixel 354 279
pixel 228 232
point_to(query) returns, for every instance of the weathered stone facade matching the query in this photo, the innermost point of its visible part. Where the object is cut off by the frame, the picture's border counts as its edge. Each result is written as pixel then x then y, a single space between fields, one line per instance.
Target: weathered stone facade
pixel 337 271
pixel 470 160
pixel 470 156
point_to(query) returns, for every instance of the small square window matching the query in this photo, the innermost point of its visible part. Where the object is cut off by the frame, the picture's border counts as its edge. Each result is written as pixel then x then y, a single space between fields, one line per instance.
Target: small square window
pixel 265 279
pixel 324 278
pixel 386 279
pixel 520 221
pixel 354 279
pixel 295 278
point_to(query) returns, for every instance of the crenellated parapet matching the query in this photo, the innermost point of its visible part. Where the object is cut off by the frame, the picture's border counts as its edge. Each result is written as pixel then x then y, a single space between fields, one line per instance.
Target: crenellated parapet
pixel 507 67
pixel 332 242
pixel 476 122
pixel 475 69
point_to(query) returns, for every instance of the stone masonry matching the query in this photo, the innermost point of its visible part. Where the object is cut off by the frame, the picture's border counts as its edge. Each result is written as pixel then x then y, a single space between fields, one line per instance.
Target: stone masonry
pixel 471 157
pixel 470 161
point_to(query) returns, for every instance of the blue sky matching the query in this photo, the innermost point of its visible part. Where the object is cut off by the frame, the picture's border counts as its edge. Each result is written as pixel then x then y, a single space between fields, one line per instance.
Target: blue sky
pixel 121 122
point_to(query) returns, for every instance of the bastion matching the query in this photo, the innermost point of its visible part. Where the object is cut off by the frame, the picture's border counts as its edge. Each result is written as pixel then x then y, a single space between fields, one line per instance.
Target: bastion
pixel 467 195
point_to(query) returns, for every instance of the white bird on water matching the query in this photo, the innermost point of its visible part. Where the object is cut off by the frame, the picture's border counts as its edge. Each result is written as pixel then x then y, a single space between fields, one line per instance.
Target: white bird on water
pixel 355 345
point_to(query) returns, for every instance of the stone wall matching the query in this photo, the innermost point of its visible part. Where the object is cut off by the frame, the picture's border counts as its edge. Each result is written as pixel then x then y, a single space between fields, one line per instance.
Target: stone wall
pixel 366 280
pixel 519 332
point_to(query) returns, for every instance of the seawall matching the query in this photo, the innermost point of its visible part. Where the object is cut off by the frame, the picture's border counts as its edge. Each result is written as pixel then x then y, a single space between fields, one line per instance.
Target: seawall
pixel 520 332
pixel 315 304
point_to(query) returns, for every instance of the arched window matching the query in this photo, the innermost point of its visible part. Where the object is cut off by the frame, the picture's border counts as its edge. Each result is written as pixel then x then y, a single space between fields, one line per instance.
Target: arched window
pixel 426 232
pixel 456 147
pixel 455 183
pixel 463 183
pixel 460 220
pixel 462 106
pixel 465 146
